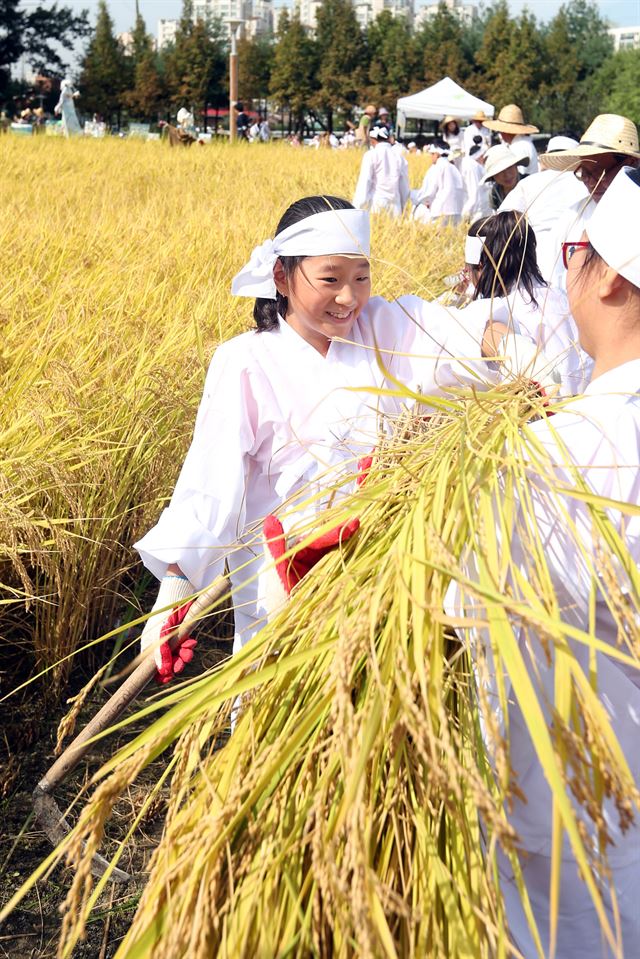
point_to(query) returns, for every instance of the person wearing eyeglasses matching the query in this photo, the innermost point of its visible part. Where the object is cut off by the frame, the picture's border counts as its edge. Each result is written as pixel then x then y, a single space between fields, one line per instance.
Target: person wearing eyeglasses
pixel 608 144
pixel 578 505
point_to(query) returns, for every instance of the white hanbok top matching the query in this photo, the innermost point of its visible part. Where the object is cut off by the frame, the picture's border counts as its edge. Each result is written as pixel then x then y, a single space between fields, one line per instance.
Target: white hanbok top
pixel 549 324
pixel 383 183
pixel 477 195
pixel 473 131
pixel 442 189
pixel 279 420
pixel 545 197
pixel 600 431
pixel 524 146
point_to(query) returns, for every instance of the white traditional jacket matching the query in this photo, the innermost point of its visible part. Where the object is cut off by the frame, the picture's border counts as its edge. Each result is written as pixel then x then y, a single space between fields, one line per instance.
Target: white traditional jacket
pixel 277 416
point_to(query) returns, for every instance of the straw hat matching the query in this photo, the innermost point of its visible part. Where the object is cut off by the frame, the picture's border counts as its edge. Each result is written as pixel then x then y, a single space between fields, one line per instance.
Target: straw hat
pixel 608 133
pixel 618 248
pixel 500 158
pixel 510 120
pixel 370 110
pixel 446 120
pixel 480 116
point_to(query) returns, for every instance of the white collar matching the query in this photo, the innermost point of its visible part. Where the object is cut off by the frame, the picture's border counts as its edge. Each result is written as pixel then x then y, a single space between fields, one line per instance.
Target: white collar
pixel 623 379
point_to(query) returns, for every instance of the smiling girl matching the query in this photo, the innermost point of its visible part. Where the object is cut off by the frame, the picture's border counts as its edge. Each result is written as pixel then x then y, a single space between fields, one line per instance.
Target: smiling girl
pixel 289 409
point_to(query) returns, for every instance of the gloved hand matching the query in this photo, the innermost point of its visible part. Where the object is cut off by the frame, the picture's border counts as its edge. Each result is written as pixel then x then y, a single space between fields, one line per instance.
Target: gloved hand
pixel 169 663
pixel 520 356
pixel 297 564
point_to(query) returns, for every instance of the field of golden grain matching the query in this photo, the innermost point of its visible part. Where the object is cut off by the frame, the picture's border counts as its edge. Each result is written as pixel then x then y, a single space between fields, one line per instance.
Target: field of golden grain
pixel 118 257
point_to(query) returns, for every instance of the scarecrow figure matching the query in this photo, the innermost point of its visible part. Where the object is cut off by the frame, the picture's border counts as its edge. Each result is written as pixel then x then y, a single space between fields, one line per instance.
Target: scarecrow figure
pixel 67 110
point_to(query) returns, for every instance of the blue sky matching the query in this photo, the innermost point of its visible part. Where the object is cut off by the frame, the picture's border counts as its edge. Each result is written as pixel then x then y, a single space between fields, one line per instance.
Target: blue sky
pixel 620 12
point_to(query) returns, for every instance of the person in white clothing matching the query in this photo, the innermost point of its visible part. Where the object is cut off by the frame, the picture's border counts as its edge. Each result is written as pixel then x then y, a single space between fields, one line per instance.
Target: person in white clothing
pixel 441 197
pixel 383 184
pixel 67 109
pixel 477 195
pixel 592 448
pixel 476 128
pixel 608 143
pixel 286 411
pixel 517 134
pixel 502 171
pixel 545 197
pixel 450 133
pixel 532 323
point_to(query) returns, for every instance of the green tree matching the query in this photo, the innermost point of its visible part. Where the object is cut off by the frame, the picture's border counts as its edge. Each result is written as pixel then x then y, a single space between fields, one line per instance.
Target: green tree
pixel 294 67
pixel 341 56
pixel 255 63
pixel 145 94
pixel 38 34
pixel 510 60
pixel 577 46
pixel 440 49
pixel 195 65
pixel 616 85
pixel 392 59
pixel 104 70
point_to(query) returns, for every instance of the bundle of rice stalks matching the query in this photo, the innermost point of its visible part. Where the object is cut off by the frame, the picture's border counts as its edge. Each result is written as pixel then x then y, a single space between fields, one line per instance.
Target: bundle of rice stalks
pixel 362 801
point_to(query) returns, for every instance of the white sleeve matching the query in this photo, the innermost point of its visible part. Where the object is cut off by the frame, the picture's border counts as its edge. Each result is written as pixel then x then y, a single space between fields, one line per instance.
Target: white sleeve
pixel 441 347
pixel 405 189
pixel 206 515
pixel 362 196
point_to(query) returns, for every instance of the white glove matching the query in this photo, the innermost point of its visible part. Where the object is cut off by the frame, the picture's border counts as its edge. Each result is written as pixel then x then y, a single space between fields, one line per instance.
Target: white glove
pixel 520 356
pixel 173 591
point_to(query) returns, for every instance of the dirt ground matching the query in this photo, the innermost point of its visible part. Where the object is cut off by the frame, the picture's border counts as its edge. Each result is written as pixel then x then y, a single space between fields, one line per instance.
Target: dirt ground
pixel 26 752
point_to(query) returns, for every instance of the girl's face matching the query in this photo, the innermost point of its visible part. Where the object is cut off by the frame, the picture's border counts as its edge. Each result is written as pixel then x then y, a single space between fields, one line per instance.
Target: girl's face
pixel 326 295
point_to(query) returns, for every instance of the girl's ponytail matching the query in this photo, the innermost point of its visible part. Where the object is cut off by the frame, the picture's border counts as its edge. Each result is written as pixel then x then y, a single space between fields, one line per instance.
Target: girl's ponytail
pixel 266 312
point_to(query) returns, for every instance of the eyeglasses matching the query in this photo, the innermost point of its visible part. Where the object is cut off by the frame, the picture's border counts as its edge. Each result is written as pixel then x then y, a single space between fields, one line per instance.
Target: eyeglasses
pixel 568 249
pixel 594 170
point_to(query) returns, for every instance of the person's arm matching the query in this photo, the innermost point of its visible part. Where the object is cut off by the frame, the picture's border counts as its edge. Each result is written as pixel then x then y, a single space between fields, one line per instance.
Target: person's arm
pixel 362 195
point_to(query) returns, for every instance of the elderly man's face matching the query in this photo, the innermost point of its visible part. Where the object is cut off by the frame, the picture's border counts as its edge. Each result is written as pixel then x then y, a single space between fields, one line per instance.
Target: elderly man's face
pixel 598 172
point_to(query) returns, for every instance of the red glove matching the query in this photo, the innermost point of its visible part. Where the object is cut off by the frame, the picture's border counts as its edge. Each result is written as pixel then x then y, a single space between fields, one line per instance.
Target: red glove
pixel 292 568
pixel 174 660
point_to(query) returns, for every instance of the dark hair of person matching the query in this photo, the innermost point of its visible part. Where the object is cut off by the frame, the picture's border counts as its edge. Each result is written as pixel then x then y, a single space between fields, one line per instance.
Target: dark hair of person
pixel 266 313
pixel 508 258
pixel 477 146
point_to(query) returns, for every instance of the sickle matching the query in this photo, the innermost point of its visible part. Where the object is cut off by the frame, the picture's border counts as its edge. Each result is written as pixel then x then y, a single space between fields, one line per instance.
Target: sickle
pixel 47 811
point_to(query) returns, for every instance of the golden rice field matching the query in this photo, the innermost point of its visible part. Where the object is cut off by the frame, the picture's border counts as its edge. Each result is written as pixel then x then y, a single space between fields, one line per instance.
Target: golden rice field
pixel 355 811
pixel 115 290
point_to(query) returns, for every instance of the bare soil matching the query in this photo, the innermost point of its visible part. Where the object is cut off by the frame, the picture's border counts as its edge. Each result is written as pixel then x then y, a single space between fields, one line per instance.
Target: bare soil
pixel 26 751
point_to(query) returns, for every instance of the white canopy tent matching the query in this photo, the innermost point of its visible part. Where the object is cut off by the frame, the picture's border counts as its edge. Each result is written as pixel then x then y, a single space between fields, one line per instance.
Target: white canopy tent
pixel 444 98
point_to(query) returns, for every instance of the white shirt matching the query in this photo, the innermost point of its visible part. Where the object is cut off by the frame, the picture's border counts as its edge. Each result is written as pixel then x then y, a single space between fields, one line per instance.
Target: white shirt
pixel 383 183
pixel 477 196
pixel 473 131
pixel 442 189
pixel 277 418
pixel 570 226
pixel 549 324
pixel 599 436
pixel 545 197
pixel 524 146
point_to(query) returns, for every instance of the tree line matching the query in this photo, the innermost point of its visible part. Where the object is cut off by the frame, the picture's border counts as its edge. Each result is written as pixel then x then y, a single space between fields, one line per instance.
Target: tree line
pixel 561 73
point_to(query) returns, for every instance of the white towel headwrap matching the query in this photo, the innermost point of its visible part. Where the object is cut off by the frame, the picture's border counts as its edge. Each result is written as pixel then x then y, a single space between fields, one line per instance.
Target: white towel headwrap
pixel 337 232
pixel 473 249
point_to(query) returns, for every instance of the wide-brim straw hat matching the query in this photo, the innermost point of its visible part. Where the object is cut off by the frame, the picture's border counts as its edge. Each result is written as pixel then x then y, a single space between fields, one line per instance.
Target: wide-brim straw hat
pixel 479 115
pixel 511 120
pixel 608 133
pixel 449 120
pixel 500 158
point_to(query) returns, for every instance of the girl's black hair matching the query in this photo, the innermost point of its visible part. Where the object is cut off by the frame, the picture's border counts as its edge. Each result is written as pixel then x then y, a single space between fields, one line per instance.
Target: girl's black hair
pixel 508 258
pixel 267 312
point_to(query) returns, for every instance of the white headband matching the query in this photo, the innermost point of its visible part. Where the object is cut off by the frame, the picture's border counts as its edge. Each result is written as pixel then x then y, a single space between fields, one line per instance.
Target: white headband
pixel 335 232
pixel 473 246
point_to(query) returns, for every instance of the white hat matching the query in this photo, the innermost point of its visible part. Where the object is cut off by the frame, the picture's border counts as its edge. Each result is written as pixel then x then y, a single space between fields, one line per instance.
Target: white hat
pixel 500 158
pixel 618 247
pixel 556 144
pixel 379 133
pixel 411 144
